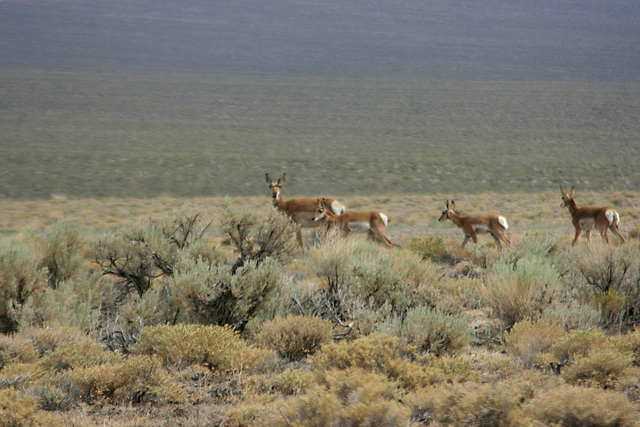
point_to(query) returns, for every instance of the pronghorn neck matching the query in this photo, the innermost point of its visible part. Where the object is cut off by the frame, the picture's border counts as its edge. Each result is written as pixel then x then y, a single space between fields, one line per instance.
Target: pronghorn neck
pixel 572 206
pixel 456 218
pixel 329 216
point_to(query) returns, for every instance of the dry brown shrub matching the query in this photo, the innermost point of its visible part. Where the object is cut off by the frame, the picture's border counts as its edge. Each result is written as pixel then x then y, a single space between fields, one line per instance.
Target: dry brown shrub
pixel 17 409
pixel 137 379
pixel 631 342
pixel 527 339
pixel 17 349
pixel 49 337
pixel 73 355
pixel 215 347
pixel 381 353
pixel 601 367
pixel 295 337
pixel 470 404
pixel 580 406
pixel 577 343
pixel 345 398
pixel 292 381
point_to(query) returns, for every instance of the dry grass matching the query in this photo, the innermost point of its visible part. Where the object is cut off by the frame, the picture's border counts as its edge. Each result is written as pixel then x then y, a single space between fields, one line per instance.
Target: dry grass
pixel 409 215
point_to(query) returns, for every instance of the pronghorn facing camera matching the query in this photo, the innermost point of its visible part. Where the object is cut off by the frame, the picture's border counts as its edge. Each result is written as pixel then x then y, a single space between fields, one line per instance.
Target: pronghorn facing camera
pixel 299 210
pixel 373 223
pixel 472 225
pixel 589 217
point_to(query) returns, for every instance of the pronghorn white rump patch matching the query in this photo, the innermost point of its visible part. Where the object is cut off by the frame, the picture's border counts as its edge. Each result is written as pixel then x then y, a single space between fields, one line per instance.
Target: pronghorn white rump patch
pixel 337 208
pixel 385 219
pixel 503 222
pixel 612 217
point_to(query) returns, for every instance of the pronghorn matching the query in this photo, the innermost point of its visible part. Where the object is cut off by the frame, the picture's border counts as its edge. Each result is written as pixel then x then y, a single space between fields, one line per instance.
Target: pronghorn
pixel 373 223
pixel 471 225
pixel 299 210
pixel 588 217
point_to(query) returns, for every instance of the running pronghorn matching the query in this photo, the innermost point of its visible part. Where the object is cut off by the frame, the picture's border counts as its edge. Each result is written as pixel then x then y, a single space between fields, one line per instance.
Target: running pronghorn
pixel 299 210
pixel 471 225
pixel 588 217
pixel 373 223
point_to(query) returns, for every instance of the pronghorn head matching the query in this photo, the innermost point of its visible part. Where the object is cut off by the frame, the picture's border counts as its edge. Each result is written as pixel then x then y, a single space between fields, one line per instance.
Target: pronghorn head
pixel 567 199
pixel 275 187
pixel 448 213
pixel 321 210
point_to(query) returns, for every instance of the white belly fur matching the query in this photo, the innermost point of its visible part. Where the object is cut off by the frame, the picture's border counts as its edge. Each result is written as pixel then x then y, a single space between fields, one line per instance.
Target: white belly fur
pixel 359 227
pixel 587 223
pixel 481 229
pixel 305 219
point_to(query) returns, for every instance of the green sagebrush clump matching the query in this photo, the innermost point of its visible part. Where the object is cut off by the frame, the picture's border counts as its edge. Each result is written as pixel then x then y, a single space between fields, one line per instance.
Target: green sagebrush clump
pixel 58 249
pixel 217 348
pixel 295 337
pixel 609 278
pixel 520 288
pixel 144 250
pixel 435 332
pixel 364 282
pixel 215 295
pixel 21 280
pixel 180 279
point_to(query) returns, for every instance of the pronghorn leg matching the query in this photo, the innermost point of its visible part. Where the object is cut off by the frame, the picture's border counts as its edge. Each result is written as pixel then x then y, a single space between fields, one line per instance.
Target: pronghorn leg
pixel 588 233
pixel 383 236
pixel 380 234
pixel 616 231
pixel 604 235
pixel 464 242
pixel 575 239
pixel 299 238
pixel 497 240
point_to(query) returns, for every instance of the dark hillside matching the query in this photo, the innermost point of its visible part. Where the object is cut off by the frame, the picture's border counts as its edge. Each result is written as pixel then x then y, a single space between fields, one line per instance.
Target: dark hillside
pixel 413 39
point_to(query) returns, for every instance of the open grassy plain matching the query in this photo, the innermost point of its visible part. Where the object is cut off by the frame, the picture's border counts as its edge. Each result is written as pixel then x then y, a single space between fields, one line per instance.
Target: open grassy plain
pixel 92 135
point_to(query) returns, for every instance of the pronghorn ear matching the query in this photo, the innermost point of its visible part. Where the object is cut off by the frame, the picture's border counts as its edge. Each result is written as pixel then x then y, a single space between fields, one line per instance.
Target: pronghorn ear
pixel 267 178
pixel 282 179
pixel 453 205
pixel 324 202
pixel 573 191
pixel 564 193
